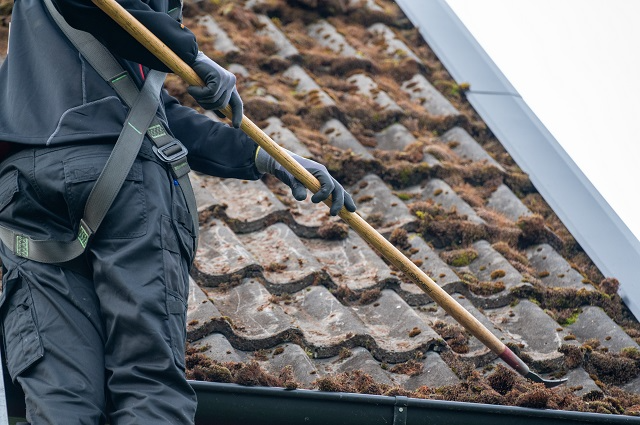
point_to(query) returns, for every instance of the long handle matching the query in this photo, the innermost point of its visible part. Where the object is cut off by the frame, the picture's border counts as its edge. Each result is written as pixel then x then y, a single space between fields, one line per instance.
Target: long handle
pixel 357 223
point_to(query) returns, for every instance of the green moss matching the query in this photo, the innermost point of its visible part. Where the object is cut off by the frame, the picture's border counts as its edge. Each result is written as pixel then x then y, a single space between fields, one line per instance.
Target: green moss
pixel 571 319
pixel 460 257
pixel 405 196
pixel 630 353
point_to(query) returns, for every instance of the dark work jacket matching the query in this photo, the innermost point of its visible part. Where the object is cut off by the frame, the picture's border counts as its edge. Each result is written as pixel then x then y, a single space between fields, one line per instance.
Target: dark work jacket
pixel 50 95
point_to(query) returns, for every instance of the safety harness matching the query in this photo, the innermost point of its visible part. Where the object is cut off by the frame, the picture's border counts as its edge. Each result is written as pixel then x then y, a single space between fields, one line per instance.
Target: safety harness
pixel 143 105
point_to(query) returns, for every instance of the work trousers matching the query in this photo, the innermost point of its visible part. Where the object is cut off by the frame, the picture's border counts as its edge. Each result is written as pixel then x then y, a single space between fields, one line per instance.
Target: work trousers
pixel 103 342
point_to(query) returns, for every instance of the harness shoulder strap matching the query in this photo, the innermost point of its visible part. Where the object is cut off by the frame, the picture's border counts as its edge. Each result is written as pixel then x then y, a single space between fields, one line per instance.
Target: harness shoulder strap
pixel 140 120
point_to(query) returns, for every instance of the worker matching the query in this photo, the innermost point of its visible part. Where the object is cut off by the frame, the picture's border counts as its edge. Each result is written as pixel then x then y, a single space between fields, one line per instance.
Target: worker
pixel 93 318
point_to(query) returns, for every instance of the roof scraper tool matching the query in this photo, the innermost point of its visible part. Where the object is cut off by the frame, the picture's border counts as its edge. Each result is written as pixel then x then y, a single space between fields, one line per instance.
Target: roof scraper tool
pixel 357 223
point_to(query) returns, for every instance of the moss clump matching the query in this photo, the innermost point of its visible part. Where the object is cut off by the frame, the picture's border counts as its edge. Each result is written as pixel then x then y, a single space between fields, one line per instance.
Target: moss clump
pixel 460 257
pixel 611 369
pixel 351 382
pixel 6 6
pixel 456 337
pixel 275 267
pixel 568 317
pixel 400 239
pixel 534 230
pixel 411 368
pixel 573 355
pixel 345 353
pixel 497 274
pixel 369 296
pixel 631 353
pixel 486 289
pixel 344 293
pixel 333 230
pixel 609 286
pixel 502 380
pixel 414 332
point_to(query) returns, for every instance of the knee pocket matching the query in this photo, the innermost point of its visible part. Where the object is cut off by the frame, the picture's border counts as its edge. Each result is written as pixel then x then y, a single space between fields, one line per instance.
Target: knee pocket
pixel 175 264
pixel 21 336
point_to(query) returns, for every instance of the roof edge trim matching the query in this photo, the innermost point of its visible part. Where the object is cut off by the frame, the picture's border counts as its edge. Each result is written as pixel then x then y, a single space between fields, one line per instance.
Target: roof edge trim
pixel 590 219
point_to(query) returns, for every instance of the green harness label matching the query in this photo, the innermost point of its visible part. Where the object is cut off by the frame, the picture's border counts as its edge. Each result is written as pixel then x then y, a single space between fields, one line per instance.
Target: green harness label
pixel 22 246
pixel 83 237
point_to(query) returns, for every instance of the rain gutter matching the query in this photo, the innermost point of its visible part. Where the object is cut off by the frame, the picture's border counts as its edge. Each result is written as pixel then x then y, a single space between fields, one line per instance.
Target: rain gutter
pixel 232 404
pixel 590 219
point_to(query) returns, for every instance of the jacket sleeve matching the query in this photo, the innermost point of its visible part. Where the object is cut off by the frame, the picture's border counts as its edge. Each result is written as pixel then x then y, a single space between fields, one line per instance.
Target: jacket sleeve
pixel 86 16
pixel 214 148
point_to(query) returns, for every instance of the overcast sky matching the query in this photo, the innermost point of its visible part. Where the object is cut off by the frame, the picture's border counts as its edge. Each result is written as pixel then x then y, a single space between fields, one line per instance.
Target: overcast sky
pixel 576 63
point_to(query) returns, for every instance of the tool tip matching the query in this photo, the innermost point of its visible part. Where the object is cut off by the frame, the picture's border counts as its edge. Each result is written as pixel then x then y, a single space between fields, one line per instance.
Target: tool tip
pixel 549 383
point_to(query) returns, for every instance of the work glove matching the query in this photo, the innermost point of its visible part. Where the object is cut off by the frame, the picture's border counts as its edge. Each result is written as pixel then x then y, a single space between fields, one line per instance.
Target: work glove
pixel 219 90
pixel 328 185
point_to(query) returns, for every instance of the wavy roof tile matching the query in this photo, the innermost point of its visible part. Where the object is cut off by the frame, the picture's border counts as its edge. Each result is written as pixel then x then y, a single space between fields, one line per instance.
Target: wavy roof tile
pixel 354 86
pixel 325 306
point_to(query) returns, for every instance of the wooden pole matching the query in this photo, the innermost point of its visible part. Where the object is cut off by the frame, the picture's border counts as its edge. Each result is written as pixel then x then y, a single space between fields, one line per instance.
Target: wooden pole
pixel 357 223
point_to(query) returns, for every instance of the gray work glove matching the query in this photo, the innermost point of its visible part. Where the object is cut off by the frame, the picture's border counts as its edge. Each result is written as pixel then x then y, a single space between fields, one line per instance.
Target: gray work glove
pixel 219 90
pixel 328 185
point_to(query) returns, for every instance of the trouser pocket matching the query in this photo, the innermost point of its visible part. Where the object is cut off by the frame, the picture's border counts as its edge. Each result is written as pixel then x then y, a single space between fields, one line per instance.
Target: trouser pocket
pixel 21 337
pixel 176 277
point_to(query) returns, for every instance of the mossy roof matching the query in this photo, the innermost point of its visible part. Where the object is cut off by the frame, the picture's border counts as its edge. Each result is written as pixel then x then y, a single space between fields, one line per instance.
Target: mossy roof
pixel 281 288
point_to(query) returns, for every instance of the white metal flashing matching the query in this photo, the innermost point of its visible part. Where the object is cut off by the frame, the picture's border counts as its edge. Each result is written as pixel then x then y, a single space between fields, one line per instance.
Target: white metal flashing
pixel 593 223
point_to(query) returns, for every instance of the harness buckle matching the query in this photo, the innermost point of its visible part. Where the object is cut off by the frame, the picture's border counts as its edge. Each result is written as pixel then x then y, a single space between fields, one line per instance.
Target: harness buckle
pixel 171 152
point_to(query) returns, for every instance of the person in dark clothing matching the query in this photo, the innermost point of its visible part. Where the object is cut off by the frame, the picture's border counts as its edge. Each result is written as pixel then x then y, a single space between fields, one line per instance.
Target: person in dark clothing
pixel 101 337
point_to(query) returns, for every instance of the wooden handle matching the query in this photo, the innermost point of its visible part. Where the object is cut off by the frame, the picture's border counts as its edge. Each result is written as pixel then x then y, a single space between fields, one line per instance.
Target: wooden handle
pixel 357 223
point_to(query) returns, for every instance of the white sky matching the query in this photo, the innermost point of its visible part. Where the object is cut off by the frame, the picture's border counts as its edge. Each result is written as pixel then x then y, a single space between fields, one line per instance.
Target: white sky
pixel 576 63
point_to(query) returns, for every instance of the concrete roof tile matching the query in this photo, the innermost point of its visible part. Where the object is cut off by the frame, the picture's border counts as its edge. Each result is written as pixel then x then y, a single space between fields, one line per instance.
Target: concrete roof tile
pixel 440 193
pixel 351 262
pixel 256 208
pixel 422 92
pixel 359 359
pixel 328 36
pixel 304 370
pixel 367 87
pixel 327 324
pixel 593 322
pixel 430 262
pixel 285 48
pixel 256 321
pixel 540 342
pixel 477 352
pixel 287 264
pixel 396 137
pixel 339 136
pixel 305 85
pixel 435 373
pixel 221 40
pixel 396 327
pixel 380 206
pixel 284 137
pixel 221 256
pixel 393 45
pixel 467 147
pixel 553 269
pixel 506 202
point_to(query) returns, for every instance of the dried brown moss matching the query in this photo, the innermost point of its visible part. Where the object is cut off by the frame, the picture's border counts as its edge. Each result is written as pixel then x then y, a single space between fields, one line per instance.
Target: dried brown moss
pixel 456 336
pixel 333 230
pixel 411 368
pixel 202 368
pixel 400 239
pixel 351 382
pixel 485 288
